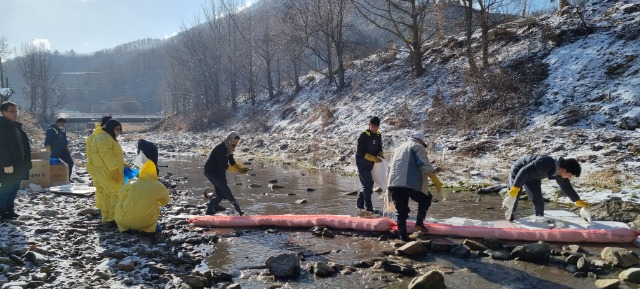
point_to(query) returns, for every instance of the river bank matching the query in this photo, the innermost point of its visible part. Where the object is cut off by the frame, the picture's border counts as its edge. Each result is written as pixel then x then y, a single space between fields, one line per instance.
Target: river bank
pixel 57 242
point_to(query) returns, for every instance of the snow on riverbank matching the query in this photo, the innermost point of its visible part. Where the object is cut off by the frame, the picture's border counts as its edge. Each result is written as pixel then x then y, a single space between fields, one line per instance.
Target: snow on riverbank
pixel 592 90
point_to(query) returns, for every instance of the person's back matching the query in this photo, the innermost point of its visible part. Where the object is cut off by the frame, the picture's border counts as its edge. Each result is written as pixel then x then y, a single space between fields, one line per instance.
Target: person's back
pixel 139 201
pixel 56 141
pixel 106 154
pixel 408 165
pixel 407 169
pixel 89 142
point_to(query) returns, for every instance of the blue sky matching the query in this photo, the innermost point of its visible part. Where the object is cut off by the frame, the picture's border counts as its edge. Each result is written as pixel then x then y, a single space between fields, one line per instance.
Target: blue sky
pixel 91 25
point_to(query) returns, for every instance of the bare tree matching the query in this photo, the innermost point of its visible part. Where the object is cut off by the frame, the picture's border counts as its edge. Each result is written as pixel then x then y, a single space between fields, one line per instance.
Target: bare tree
pixel 488 19
pixel 265 46
pixel 302 16
pixel 406 19
pixel 292 41
pixel 468 25
pixel 40 71
pixel 244 33
pixel 330 18
pixel 214 47
pixel 562 4
pixel 323 24
pixel 4 51
pixel 231 52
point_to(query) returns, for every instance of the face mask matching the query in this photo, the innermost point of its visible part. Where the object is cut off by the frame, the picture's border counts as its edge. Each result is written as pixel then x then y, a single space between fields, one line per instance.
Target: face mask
pixel 139 160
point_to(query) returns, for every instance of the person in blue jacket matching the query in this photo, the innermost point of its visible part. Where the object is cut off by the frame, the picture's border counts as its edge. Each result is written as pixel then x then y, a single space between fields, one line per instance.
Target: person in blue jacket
pixel 528 173
pixel 369 152
pixel 56 142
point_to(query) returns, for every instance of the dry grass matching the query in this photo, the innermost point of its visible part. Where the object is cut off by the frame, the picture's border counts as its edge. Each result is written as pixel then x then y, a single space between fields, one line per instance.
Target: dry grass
pixel 403 117
pixel 497 99
pixel 324 113
pixel 33 127
pixel 603 180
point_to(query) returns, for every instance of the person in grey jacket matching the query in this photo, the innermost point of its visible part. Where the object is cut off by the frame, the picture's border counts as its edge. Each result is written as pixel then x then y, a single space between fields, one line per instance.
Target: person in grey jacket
pixel 407 169
pixel 528 172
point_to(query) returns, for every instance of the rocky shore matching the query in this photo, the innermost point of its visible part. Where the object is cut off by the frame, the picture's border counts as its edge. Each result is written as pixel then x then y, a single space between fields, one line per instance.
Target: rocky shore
pixel 58 241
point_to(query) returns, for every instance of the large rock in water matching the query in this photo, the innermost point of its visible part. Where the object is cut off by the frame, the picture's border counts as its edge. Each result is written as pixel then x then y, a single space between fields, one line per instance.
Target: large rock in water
pixel 630 275
pixel 322 269
pixel 395 267
pixel 619 257
pixel 607 283
pixel 284 265
pixel 535 253
pixel 430 280
pixel 615 209
pixel 413 248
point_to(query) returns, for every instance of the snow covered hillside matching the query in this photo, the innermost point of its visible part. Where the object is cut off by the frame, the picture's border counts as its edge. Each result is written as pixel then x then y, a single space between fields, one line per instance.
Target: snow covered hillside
pixel 586 104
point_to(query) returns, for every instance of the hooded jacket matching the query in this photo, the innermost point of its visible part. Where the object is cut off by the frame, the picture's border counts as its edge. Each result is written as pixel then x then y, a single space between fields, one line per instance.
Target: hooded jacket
pixel 221 156
pixel 409 165
pixel 11 152
pixel 538 167
pixel 89 151
pixel 106 156
pixel 139 201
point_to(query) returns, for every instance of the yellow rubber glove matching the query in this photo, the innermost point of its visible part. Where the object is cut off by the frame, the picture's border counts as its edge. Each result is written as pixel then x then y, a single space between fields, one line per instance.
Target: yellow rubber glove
pixel 372 158
pixel 233 169
pixel 242 169
pixel 582 204
pixel 381 155
pixel 514 191
pixel 436 182
pixel 117 176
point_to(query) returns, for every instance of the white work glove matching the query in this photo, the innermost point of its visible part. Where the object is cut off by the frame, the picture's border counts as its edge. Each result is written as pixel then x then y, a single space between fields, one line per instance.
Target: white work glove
pixel 8 170
pixel 585 213
pixel 508 203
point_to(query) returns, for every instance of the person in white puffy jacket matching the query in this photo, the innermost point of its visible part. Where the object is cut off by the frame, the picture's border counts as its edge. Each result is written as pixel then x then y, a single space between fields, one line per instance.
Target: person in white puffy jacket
pixel 407 169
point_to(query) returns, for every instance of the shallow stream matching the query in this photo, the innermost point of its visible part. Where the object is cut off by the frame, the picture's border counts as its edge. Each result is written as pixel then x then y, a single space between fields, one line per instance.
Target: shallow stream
pixel 326 193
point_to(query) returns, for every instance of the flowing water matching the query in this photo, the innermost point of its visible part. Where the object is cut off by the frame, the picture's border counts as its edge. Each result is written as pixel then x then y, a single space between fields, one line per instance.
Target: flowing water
pixel 326 193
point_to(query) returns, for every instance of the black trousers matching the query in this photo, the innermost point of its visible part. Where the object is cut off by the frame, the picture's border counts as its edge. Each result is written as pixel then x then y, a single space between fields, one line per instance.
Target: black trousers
pixel 66 157
pixel 364 196
pixel 400 197
pixel 222 192
pixel 533 189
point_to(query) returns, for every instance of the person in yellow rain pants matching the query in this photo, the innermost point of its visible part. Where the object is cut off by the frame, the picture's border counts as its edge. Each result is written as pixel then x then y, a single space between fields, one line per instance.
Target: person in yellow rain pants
pixel 108 166
pixel 90 159
pixel 139 201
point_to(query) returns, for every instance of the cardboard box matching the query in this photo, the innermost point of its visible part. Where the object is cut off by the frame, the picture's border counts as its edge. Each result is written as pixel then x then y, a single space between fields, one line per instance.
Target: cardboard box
pixel 39 174
pixel 59 174
pixel 41 154
pixel 40 171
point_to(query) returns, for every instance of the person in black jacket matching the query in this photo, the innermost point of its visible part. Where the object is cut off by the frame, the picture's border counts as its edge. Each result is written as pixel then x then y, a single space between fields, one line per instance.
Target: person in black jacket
pixel 369 151
pixel 15 158
pixel 220 160
pixel 528 172
pixel 56 142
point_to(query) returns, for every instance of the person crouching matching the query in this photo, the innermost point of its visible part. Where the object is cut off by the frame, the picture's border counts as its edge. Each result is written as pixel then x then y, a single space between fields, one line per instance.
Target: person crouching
pixel 139 201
